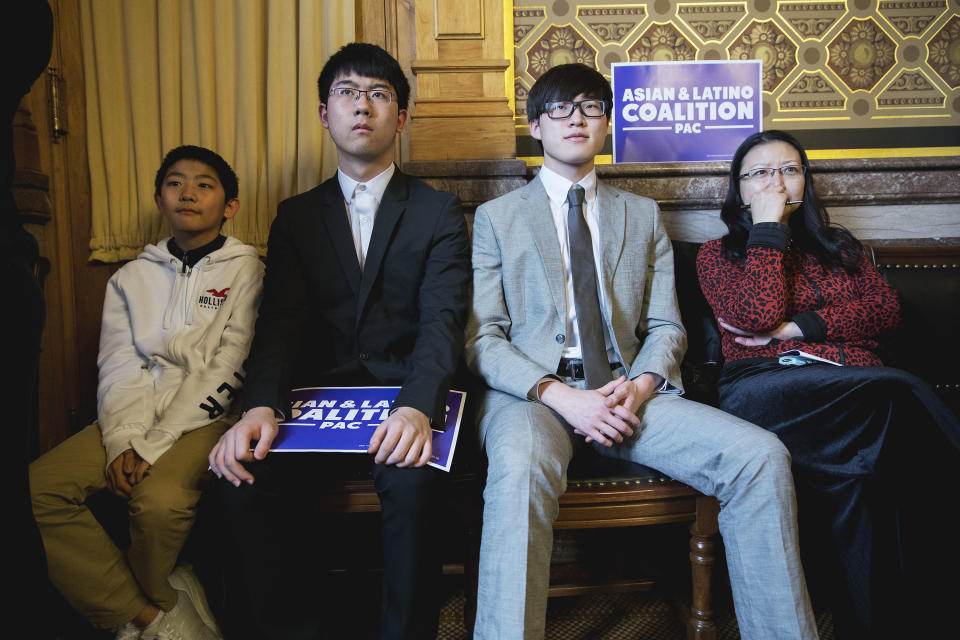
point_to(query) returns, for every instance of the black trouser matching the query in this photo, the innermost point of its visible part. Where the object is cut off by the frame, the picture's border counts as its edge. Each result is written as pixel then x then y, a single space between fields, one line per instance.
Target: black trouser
pixel 875 454
pixel 280 545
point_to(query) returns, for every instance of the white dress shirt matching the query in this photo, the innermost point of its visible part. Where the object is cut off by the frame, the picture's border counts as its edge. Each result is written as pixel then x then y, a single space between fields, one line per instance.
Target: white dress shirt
pixel 557 187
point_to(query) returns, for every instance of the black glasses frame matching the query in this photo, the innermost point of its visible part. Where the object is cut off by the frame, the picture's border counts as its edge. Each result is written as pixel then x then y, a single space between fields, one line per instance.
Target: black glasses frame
pixel 575 105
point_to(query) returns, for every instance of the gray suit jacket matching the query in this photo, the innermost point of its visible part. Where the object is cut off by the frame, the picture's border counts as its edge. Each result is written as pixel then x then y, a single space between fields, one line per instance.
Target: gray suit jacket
pixel 515 333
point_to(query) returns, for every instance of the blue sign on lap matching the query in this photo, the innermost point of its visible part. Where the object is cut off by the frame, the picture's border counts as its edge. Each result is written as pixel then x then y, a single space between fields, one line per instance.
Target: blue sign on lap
pixel 684 111
pixel 343 419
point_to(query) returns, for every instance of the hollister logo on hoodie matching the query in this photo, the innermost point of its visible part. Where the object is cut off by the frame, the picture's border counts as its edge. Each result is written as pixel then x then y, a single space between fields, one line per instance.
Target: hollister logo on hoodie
pixel 213 298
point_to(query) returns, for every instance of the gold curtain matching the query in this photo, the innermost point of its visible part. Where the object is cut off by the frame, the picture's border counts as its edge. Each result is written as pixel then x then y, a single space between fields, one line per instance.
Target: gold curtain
pixel 237 76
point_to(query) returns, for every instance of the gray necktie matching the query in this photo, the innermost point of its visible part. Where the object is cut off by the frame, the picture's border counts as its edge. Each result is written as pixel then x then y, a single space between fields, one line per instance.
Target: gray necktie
pixel 595 366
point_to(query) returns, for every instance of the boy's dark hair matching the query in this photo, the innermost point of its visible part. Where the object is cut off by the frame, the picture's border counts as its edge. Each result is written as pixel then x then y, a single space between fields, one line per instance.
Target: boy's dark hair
pixel 226 175
pixel 369 61
pixel 566 82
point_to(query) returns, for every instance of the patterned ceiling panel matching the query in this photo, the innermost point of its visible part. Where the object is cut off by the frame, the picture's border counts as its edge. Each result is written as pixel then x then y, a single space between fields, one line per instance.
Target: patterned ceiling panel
pixel 812 19
pixel 525 21
pixel 912 18
pixel 944 53
pixel 765 41
pixel 559 45
pixel 712 21
pixel 661 42
pixel 611 24
pixel 812 92
pixel 859 74
pixel 861 54
pixel 910 89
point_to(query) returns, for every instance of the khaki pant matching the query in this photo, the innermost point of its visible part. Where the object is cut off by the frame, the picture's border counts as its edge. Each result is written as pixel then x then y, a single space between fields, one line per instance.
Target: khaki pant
pixel 102 582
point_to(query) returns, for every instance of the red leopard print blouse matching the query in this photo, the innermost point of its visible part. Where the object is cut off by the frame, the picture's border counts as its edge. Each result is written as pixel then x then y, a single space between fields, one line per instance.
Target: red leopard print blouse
pixel 773 287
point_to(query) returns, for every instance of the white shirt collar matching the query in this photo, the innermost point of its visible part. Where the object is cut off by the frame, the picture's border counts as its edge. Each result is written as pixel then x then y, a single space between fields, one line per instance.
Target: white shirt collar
pixel 557 186
pixel 375 186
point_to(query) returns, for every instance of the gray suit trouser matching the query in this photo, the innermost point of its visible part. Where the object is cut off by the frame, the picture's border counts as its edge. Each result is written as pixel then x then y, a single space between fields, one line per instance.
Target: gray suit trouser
pixel 528 448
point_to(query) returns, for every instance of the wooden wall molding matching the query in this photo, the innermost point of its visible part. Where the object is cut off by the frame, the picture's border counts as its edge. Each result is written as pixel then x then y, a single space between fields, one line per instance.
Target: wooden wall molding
pixel 703 185
pixel 893 201
pixel 455 49
pixel 458 66
pixel 848 182
pixel 458 19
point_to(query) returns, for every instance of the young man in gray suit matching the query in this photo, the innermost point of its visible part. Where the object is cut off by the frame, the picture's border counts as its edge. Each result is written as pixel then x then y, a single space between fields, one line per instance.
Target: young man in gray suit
pixel 575 329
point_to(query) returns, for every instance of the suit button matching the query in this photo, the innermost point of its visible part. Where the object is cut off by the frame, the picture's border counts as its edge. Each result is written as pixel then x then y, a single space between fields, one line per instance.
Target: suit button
pixel 364 356
pixel 561 338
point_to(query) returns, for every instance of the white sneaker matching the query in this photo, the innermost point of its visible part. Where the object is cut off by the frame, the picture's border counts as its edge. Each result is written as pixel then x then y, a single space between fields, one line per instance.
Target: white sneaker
pixel 128 631
pixel 180 623
pixel 185 582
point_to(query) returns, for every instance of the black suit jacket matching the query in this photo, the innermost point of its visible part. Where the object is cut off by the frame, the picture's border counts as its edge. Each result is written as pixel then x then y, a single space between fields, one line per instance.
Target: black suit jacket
pixel 400 322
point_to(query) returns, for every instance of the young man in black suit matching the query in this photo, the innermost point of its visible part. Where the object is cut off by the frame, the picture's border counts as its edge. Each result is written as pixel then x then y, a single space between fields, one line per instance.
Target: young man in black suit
pixel 366 284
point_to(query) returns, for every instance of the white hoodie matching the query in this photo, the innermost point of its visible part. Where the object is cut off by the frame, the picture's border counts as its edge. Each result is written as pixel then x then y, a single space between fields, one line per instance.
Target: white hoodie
pixel 172 345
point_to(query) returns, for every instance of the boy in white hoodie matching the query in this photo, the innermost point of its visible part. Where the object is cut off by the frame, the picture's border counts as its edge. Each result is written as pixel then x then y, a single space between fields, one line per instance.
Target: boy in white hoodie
pixel 177 325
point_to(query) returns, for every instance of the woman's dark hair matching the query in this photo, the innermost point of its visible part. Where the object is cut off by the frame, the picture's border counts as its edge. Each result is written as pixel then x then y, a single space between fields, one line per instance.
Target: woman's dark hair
pixel 810 227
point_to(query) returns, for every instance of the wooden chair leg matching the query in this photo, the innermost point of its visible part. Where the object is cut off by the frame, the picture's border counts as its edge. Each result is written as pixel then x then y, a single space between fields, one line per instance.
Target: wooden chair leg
pixel 703 539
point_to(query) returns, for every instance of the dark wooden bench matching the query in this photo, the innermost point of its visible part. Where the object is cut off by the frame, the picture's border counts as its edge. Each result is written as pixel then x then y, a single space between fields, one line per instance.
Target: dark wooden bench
pixel 606 493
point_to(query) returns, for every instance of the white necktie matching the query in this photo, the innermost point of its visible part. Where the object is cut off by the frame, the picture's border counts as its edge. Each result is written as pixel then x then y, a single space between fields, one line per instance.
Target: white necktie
pixel 364 206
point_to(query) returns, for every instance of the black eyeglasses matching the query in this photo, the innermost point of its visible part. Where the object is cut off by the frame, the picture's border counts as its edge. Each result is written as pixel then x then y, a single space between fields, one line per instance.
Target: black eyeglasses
pixel 564 109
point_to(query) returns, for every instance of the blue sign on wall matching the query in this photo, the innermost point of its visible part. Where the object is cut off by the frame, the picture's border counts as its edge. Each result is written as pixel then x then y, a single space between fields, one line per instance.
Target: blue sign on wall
pixel 684 111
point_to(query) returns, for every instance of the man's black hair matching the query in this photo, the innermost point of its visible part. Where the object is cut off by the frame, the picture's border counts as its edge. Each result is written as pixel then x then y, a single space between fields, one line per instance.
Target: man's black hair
pixel 369 61
pixel 566 82
pixel 226 175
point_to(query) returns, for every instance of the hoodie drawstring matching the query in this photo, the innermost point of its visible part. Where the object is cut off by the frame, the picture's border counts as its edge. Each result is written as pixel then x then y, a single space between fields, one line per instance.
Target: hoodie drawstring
pixel 174 295
pixel 185 292
pixel 195 277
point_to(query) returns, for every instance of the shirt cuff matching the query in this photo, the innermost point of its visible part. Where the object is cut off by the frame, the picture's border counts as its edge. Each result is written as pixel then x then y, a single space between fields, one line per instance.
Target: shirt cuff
pixel 664 386
pixel 769 234
pixel 278 414
pixel 812 325
pixel 534 393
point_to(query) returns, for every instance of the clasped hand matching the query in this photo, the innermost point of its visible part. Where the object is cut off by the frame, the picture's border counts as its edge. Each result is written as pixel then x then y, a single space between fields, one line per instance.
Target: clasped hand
pixel 126 470
pixel 605 415
pixel 786 331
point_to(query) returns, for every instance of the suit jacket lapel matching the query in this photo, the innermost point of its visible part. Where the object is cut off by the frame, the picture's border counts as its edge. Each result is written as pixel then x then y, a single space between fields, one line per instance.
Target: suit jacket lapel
pixel 391 208
pixel 335 218
pixel 544 231
pixel 613 224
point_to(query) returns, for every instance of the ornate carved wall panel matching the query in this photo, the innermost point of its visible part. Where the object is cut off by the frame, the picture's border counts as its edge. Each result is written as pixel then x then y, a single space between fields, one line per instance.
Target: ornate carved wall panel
pixel 861 78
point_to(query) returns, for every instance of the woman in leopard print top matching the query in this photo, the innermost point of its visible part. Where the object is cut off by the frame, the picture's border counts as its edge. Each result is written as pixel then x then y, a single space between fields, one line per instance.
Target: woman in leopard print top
pixel 785 279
